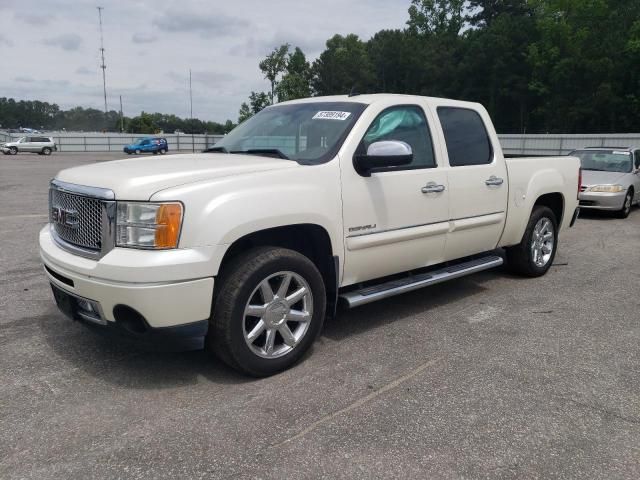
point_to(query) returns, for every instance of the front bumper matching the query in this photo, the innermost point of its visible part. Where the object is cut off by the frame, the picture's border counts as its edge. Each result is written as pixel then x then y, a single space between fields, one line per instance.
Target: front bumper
pixel 181 337
pixel 167 289
pixel 602 201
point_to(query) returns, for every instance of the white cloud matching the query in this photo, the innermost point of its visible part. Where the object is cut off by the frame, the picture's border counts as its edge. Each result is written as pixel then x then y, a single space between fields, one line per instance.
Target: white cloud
pixel 143 38
pixel 66 41
pixel 148 63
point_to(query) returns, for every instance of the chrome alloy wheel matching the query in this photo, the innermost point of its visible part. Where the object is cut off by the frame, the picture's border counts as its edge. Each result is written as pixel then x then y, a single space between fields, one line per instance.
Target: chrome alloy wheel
pixel 542 242
pixel 277 315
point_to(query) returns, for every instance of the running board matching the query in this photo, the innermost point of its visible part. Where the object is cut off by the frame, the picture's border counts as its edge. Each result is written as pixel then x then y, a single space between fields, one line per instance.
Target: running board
pixel 356 298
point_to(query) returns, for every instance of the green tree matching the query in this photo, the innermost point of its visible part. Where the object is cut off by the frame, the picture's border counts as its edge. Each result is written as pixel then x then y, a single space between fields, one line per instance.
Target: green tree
pixel 296 81
pixel 257 101
pixel 344 65
pixel 436 17
pixel 143 123
pixel 274 65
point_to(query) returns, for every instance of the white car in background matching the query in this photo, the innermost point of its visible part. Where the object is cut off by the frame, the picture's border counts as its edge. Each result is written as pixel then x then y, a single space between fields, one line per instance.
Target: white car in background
pixel 31 144
pixel 610 178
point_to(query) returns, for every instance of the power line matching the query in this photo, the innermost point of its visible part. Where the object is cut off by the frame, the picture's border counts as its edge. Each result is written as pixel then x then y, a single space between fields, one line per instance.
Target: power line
pixel 103 66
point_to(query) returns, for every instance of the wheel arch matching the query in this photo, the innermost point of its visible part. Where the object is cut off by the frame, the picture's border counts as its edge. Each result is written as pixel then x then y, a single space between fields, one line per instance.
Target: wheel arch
pixel 555 202
pixel 311 240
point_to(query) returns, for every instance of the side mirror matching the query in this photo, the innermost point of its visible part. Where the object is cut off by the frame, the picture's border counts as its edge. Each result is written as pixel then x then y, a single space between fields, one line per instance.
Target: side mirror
pixel 383 154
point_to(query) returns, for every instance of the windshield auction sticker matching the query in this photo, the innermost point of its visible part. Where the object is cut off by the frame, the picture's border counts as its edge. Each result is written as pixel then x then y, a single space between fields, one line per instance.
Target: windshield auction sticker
pixel 327 115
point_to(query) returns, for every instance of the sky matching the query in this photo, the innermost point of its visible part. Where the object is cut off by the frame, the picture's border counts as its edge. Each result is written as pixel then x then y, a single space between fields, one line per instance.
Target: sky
pixel 50 48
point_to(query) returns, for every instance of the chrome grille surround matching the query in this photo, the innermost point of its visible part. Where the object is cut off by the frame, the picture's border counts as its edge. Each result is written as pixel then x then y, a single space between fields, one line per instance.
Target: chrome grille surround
pixel 82 219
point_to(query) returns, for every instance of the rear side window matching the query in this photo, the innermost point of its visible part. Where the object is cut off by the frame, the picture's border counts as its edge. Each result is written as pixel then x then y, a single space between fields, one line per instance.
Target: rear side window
pixel 466 137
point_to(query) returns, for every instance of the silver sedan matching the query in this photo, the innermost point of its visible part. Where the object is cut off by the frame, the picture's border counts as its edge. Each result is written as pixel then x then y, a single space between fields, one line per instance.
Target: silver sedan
pixel 610 178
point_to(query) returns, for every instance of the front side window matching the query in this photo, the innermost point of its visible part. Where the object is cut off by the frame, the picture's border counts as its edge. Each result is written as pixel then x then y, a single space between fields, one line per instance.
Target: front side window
pixel 466 137
pixel 407 124
pixel 605 160
pixel 309 133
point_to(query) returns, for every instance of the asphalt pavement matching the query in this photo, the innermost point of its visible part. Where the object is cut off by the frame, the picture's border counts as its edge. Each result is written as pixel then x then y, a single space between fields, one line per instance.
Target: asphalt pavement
pixel 489 376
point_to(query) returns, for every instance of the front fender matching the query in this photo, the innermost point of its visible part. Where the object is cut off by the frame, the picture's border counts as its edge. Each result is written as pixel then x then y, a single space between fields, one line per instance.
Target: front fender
pixel 221 211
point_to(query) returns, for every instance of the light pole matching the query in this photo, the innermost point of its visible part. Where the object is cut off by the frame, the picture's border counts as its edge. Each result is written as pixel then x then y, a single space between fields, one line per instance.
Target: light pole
pixel 193 146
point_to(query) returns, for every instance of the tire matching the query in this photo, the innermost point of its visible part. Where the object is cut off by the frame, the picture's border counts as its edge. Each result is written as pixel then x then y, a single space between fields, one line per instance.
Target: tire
pixel 163 151
pixel 530 258
pixel 13 150
pixel 137 152
pixel 238 311
pixel 626 206
pixel 46 151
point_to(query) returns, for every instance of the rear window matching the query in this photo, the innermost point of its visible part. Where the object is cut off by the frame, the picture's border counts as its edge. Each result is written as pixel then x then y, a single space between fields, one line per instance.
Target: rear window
pixel 466 137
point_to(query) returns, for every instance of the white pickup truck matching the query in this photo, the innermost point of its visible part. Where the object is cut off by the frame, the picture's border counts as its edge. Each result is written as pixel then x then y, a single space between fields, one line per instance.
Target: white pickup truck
pixel 245 248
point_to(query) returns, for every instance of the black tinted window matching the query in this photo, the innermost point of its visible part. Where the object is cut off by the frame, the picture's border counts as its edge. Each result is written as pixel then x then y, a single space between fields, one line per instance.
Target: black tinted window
pixel 406 124
pixel 466 138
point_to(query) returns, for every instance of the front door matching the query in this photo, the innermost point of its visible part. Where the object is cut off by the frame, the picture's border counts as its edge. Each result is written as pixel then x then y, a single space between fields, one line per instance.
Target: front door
pixel 396 219
pixel 478 184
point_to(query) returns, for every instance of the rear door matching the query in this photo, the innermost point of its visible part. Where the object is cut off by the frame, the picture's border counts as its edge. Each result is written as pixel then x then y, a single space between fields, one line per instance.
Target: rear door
pixel 478 184
pixel 31 144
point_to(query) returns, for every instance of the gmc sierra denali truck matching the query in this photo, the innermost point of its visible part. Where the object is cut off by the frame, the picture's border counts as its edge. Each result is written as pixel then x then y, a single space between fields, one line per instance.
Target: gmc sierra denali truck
pixel 245 248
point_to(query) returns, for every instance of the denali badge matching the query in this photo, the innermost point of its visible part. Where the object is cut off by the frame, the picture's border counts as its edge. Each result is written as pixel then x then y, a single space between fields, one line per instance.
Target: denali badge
pixel 66 218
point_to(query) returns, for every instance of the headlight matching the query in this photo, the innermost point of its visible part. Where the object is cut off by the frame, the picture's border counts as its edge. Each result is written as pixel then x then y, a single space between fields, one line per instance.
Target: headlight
pixel 607 188
pixel 148 225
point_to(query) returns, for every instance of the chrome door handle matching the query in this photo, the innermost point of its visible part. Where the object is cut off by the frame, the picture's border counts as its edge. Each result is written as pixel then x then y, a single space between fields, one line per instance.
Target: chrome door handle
pixel 494 181
pixel 432 187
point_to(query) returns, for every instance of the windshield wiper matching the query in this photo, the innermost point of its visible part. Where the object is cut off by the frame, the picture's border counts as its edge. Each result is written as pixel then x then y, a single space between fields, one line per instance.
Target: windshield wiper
pixel 216 149
pixel 596 169
pixel 263 151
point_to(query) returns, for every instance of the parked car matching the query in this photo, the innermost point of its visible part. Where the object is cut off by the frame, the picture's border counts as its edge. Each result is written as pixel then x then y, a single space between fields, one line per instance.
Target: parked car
pixel 146 145
pixel 610 178
pixel 30 144
pixel 246 248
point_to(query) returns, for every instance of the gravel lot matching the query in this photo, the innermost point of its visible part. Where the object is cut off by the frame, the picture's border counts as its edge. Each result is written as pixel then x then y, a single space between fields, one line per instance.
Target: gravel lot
pixel 490 376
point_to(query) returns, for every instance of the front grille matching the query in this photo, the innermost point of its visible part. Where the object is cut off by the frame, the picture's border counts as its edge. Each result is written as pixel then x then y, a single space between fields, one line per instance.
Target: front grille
pixel 81 223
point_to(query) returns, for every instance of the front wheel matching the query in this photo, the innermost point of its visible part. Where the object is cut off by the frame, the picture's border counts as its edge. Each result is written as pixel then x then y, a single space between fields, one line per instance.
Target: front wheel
pixel 626 206
pixel 163 151
pixel 268 310
pixel 46 151
pixel 534 255
pixel 13 150
pixel 137 152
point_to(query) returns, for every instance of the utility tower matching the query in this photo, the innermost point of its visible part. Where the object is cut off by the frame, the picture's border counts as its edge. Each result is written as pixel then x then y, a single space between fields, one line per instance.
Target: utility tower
pixel 103 66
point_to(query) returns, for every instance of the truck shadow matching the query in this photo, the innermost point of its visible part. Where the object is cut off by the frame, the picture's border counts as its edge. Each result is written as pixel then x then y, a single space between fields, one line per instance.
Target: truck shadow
pixel 127 364
pixel 348 323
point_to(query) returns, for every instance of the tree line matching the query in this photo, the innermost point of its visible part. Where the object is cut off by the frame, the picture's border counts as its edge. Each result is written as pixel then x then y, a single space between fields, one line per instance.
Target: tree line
pixel 538 66
pixel 49 116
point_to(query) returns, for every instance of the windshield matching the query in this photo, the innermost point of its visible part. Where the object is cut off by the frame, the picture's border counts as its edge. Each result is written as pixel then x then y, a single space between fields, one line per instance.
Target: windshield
pixel 309 133
pixel 605 160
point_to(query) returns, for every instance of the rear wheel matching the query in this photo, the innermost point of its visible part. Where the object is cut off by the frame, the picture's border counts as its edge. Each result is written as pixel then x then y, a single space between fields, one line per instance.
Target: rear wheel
pixel 626 206
pixel 137 152
pixel 163 151
pixel 268 310
pixel 46 151
pixel 534 255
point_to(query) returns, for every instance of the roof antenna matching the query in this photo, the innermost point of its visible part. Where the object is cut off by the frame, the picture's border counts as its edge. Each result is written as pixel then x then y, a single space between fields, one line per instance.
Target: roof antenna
pixel 353 92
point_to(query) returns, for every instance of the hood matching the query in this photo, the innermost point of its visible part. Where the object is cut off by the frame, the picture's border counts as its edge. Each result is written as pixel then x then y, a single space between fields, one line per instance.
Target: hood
pixel 594 177
pixel 140 178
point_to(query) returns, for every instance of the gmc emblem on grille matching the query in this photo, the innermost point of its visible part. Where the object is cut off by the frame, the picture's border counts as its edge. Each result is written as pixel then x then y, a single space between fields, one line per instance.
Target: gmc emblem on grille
pixel 66 218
